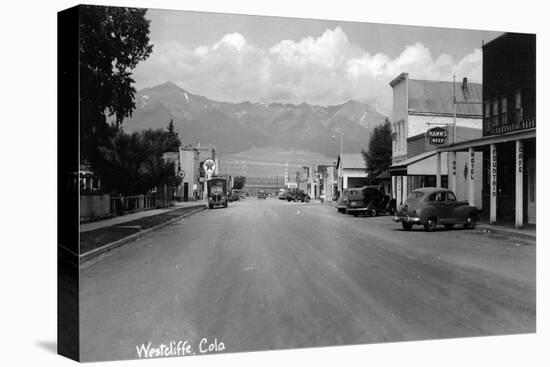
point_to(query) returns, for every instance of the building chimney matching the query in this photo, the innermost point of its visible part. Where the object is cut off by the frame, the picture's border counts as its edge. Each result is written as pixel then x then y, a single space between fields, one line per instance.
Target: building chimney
pixel 465 83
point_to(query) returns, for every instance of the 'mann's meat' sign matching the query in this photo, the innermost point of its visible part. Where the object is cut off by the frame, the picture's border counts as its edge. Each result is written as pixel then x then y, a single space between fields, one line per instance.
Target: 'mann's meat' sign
pixel 437 135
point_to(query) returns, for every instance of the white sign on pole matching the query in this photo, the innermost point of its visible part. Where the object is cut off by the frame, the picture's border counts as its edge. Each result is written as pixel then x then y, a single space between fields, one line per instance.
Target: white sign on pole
pixel 209 167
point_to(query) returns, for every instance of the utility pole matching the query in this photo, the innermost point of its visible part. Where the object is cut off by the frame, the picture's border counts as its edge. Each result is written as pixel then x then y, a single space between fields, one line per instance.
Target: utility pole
pixel 454 109
pixel 342 157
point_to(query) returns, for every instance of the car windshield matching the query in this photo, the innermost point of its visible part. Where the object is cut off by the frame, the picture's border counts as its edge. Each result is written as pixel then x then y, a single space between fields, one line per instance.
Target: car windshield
pixel 216 189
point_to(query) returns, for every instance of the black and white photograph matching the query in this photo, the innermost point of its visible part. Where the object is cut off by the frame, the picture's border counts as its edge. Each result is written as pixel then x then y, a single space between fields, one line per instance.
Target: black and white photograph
pixel 231 182
pixel 252 183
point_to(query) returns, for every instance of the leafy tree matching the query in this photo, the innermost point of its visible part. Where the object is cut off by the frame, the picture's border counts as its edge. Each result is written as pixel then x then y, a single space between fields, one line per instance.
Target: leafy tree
pixel 378 156
pixel 173 141
pixel 113 40
pixel 238 182
pixel 133 163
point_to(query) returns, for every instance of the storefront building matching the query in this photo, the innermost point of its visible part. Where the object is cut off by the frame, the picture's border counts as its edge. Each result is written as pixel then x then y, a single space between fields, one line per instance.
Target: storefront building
pixel 188 166
pixel 508 144
pixel 424 117
pixel 325 182
pixel 352 170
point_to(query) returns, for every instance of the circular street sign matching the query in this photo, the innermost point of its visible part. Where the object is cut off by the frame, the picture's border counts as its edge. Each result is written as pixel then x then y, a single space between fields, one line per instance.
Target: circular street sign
pixel 182 174
pixel 209 166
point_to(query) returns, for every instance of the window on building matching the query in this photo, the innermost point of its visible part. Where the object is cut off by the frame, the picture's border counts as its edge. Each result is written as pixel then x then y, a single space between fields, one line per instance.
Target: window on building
pixel 487 115
pixel 518 111
pixel 494 113
pixel 445 181
pixel 400 135
pixel 503 110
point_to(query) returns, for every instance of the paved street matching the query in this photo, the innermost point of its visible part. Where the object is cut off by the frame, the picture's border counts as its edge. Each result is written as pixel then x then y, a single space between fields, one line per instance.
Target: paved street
pixel 267 274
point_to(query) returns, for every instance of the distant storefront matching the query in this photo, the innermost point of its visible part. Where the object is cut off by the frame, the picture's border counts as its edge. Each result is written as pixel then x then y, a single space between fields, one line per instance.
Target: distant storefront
pixel 188 165
pixel 351 170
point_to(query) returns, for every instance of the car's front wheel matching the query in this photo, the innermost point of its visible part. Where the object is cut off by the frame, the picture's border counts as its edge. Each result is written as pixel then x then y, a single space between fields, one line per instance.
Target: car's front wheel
pixel 373 212
pixel 470 222
pixel 430 225
pixel 307 200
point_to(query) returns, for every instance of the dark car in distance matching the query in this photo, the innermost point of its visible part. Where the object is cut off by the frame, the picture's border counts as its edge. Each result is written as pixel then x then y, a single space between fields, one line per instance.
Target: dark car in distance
pixel 369 200
pixel 234 196
pixel 262 194
pixel 431 206
pixel 298 195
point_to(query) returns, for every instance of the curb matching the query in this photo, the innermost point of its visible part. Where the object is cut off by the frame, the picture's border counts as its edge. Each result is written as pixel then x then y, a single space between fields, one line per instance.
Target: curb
pixel 488 229
pixel 111 246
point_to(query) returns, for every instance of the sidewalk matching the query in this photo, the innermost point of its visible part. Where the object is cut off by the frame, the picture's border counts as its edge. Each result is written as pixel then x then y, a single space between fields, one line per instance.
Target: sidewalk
pixel 84 227
pixel 528 231
pixel 100 237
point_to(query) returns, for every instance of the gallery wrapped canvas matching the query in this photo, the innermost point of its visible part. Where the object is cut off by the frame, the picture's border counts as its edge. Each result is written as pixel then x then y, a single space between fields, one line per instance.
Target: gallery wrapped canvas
pixel 232 183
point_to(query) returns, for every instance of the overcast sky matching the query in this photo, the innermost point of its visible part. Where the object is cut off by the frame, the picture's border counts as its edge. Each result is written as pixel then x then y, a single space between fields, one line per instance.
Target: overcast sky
pixel 238 58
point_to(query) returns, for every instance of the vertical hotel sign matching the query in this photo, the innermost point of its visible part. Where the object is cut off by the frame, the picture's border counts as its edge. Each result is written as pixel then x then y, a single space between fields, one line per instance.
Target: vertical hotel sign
pixel 493 177
pixel 493 172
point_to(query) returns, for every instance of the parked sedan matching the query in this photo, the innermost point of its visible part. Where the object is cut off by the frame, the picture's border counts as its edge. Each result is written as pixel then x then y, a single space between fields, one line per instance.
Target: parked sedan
pixel 342 202
pixel 262 194
pixel 369 200
pixel 298 195
pixel 432 206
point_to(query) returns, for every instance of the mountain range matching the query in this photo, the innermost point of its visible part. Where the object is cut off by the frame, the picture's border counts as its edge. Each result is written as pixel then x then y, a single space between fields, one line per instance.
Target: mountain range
pixel 245 126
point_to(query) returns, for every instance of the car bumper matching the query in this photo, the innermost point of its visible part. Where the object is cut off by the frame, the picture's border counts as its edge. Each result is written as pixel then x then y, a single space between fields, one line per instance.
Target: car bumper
pixel 407 219
pixel 355 210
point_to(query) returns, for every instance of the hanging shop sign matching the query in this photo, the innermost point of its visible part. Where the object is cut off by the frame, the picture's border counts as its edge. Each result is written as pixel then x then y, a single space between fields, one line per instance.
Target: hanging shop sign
pixel 437 135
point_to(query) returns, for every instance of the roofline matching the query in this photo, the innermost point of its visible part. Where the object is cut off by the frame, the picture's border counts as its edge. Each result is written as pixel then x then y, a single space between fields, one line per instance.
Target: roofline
pixel 443 81
pixel 442 114
pixel 398 79
pixel 495 39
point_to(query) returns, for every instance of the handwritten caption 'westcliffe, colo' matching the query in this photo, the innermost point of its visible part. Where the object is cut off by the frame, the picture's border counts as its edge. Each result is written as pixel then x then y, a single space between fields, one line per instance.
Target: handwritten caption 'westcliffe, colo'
pixel 179 348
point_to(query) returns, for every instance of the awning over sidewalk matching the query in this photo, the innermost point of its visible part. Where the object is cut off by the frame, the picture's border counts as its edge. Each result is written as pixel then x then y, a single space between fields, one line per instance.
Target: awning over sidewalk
pixel 424 164
pixel 384 175
pixel 488 140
